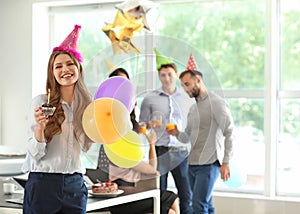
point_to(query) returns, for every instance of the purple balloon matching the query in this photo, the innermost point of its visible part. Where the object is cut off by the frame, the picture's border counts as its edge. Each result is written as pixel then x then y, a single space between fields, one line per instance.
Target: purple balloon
pixel 119 88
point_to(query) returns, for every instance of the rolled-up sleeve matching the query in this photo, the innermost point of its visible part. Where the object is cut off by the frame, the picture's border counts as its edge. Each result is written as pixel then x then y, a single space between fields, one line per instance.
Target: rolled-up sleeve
pixel 185 136
pixel 36 149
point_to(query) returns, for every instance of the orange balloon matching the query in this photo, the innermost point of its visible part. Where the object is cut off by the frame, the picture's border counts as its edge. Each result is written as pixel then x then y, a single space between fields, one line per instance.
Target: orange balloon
pixel 126 152
pixel 111 118
pixel 89 124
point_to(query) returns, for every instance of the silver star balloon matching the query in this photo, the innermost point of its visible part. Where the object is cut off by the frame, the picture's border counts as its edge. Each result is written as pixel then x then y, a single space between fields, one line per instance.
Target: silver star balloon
pixel 137 9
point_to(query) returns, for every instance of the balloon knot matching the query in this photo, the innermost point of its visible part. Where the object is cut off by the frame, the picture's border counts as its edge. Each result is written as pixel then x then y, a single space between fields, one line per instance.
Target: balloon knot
pixel 108 113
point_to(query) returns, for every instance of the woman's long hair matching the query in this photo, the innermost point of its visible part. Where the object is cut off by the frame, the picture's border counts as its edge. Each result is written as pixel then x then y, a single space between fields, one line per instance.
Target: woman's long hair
pixel 81 99
pixel 135 124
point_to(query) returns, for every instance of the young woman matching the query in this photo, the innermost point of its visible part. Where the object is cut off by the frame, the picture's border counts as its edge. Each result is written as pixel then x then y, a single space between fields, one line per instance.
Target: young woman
pixel 55 183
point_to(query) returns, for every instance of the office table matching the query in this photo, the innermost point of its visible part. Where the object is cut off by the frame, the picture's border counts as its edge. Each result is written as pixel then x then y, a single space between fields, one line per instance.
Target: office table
pixel 130 194
pixel 9 208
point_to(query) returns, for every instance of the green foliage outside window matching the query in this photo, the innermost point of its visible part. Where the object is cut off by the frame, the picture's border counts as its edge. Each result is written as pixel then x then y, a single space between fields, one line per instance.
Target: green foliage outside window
pixel 230 35
pixel 290 51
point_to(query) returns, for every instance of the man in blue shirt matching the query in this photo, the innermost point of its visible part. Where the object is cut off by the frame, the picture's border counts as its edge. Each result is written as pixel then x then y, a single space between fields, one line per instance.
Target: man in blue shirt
pixel 172 104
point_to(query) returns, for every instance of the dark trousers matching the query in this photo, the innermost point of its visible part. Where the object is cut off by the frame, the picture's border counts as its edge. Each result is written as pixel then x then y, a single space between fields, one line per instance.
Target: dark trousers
pixel 176 162
pixel 54 193
pixel 203 179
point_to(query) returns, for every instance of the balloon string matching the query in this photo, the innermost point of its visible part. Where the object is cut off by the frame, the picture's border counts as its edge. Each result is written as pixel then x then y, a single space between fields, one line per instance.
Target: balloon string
pixel 89 159
pixel 93 164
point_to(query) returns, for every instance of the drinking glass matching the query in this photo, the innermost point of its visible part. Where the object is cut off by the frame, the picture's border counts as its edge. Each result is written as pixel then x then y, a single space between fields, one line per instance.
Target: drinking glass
pixel 156 121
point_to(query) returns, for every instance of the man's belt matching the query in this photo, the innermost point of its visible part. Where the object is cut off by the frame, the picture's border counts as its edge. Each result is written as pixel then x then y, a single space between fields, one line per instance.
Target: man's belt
pixel 174 148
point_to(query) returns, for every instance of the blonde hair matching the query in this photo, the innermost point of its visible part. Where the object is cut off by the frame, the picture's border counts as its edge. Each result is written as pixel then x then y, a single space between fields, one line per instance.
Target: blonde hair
pixel 81 99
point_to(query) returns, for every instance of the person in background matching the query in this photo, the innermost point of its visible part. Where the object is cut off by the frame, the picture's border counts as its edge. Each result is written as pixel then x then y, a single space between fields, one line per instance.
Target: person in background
pixel 55 182
pixel 129 176
pixel 210 132
pixel 172 104
pixel 124 73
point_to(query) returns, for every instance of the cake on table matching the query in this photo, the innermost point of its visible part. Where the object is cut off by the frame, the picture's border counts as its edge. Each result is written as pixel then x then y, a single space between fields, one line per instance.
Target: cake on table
pixel 106 187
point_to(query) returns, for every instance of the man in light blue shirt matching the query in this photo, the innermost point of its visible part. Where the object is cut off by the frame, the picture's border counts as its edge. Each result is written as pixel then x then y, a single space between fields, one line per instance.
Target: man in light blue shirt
pixel 172 104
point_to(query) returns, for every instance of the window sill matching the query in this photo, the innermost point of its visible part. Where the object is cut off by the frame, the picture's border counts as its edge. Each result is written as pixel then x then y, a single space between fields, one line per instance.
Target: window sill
pixel 256 197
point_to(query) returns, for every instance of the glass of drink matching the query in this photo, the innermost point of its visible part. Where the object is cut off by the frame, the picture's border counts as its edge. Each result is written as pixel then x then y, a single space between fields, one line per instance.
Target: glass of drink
pixel 142 128
pixel 156 121
pixel 170 126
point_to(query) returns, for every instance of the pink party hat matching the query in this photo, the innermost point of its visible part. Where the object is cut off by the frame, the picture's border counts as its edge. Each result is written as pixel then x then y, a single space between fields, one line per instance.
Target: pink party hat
pixel 70 44
pixel 191 64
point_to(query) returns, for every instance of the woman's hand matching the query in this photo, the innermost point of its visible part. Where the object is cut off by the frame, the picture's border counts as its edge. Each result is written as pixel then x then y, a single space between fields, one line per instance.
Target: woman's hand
pixel 40 118
pixel 151 137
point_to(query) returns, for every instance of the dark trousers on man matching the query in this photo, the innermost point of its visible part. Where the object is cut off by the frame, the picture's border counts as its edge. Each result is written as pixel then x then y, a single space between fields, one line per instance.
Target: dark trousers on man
pixel 175 160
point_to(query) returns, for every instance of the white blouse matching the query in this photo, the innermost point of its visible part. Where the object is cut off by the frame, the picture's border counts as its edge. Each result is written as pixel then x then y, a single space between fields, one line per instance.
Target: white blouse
pixel 62 154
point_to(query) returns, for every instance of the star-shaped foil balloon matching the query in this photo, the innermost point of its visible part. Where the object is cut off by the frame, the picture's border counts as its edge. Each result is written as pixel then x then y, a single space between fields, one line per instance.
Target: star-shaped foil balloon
pixel 122 30
pixel 137 9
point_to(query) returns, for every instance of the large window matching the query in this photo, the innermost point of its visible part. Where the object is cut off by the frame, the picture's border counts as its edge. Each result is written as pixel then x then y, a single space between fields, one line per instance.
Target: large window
pixel 229 41
pixel 230 35
pixel 288 150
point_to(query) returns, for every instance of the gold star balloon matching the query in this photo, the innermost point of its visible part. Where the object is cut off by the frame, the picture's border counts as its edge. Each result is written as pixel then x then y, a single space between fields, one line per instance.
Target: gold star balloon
pixel 122 30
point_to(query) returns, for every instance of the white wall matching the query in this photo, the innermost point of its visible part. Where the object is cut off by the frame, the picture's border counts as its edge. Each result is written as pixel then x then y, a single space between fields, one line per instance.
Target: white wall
pixel 15 95
pixel 15 72
pixel 16 67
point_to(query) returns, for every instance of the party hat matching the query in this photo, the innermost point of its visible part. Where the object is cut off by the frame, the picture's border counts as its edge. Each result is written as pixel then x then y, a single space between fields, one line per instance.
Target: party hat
pixel 161 60
pixel 110 66
pixel 70 44
pixel 191 64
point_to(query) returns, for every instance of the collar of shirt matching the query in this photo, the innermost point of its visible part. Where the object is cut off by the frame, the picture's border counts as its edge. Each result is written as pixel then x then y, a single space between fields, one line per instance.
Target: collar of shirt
pixel 68 110
pixel 178 92
pixel 65 103
pixel 203 96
